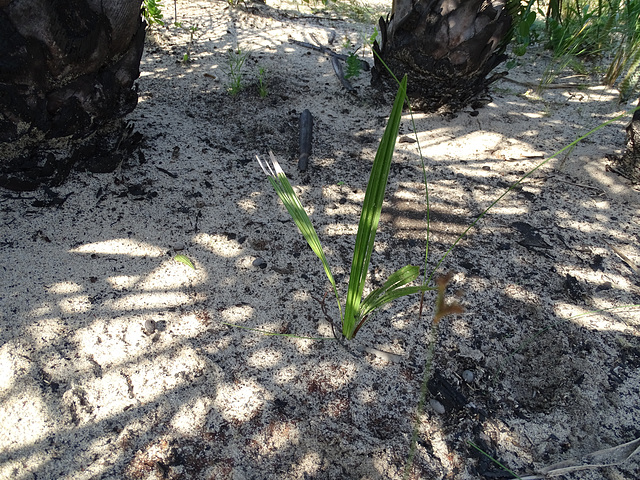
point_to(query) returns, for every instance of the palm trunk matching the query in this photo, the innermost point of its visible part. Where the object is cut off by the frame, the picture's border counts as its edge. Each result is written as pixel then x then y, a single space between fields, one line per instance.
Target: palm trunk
pixel 67 70
pixel 629 163
pixel 446 47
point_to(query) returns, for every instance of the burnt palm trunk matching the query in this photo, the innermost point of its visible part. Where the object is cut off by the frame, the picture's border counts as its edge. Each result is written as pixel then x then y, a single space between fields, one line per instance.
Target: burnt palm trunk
pixel 67 69
pixel 629 163
pixel 447 48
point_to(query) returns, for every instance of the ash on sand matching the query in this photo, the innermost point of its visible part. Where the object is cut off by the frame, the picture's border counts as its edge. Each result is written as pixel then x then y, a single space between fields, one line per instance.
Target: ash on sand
pixel 89 390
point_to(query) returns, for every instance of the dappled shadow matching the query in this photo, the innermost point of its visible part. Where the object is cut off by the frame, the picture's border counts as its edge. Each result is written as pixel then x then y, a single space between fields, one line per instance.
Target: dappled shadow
pixel 116 362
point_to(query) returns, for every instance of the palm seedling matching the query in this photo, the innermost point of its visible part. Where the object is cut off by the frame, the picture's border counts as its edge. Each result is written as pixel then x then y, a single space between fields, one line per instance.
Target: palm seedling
pixel 357 309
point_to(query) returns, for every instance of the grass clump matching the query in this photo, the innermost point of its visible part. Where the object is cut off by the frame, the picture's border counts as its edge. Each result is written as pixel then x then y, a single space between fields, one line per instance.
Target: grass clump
pixel 583 30
pixel 191 30
pixel 262 83
pixel 235 63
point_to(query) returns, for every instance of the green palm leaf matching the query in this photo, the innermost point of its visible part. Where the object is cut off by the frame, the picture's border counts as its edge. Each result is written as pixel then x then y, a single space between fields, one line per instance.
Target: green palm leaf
pixel 393 288
pixel 356 309
pixel 370 216
pixel 293 205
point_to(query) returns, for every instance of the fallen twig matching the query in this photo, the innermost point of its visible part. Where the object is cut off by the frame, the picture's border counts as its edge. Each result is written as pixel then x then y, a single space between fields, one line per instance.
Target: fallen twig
pixel 326 50
pixel 167 172
pixel 550 86
pixel 602 458
pixel 624 258
pixel 580 185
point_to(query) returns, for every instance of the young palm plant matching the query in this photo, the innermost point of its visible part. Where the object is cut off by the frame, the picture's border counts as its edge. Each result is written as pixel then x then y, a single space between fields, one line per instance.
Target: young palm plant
pixel 357 309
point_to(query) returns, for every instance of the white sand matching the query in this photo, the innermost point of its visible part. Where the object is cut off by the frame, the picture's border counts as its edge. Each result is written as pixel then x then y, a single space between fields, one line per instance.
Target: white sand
pixel 87 393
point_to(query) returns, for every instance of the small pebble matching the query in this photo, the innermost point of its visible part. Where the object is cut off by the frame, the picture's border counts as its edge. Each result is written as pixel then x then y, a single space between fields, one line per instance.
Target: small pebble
pixel 437 406
pixel 604 286
pixel 406 139
pixel 149 327
pixel 260 263
pixel 467 376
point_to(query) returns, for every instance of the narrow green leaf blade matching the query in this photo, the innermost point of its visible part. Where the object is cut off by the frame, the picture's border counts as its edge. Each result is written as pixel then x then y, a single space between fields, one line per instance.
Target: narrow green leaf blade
pixel 389 296
pixel 398 278
pixel 370 216
pixel 392 289
pixel 292 203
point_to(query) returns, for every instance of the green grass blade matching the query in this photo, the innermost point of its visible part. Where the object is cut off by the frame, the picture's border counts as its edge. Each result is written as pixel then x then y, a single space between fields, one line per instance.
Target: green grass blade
pixel 400 277
pixel 515 475
pixel 293 205
pixel 396 280
pixel 275 334
pixel 522 179
pixel 370 216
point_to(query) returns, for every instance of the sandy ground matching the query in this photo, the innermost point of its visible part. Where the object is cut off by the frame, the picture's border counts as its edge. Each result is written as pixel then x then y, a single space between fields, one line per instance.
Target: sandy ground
pixel 115 363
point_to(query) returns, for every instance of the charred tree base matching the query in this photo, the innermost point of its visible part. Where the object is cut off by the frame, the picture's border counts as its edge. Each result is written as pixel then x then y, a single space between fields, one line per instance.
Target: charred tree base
pixel 629 164
pixel 438 88
pixel 49 162
pixel 67 73
pixel 447 48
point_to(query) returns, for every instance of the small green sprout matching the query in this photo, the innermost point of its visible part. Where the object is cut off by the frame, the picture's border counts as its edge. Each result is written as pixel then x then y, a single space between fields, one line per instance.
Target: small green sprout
pixel 358 308
pixel 353 66
pixel 152 12
pixel 262 83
